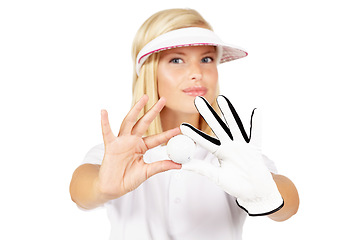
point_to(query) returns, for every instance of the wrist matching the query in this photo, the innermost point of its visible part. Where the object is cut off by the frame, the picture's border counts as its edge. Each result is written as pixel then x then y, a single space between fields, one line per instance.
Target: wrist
pixel 103 192
pixel 262 206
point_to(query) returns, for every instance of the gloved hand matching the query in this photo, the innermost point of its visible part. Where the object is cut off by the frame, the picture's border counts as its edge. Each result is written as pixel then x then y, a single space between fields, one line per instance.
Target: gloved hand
pixel 242 172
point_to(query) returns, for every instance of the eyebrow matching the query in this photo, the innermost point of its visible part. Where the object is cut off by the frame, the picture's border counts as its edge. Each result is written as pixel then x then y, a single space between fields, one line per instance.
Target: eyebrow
pixel 208 52
pixel 181 53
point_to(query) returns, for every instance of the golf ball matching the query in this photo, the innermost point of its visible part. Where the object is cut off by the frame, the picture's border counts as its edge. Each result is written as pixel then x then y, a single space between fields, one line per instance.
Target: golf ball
pixel 180 149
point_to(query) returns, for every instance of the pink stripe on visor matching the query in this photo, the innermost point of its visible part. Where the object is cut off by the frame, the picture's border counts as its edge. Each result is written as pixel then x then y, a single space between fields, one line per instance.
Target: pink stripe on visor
pixel 186 37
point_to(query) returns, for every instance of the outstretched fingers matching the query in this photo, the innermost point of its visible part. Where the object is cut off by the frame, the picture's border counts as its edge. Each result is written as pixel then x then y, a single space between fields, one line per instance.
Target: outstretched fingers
pixel 235 124
pixel 144 122
pixel 232 119
pixel 256 128
pixel 164 137
pixel 216 124
pixel 131 118
pixel 108 135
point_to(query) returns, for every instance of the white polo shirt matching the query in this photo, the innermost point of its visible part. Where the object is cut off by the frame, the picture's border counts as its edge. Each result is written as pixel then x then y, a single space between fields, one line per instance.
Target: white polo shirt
pixel 174 205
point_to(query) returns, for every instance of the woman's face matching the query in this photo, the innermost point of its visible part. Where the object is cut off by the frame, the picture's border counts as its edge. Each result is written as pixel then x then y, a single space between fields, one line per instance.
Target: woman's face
pixel 187 72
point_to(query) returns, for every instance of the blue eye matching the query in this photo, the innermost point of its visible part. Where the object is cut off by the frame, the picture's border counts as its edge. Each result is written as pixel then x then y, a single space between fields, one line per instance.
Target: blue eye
pixel 176 60
pixel 207 60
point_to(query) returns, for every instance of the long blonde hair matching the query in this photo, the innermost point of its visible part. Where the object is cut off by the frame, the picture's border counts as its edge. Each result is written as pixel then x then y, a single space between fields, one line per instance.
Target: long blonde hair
pixel 146 83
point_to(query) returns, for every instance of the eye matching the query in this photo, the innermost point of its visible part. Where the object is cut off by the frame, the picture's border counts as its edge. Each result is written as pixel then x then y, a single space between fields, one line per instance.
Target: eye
pixel 176 60
pixel 207 60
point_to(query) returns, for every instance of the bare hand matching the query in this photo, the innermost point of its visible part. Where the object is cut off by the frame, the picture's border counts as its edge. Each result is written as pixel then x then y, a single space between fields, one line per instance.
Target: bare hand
pixel 123 168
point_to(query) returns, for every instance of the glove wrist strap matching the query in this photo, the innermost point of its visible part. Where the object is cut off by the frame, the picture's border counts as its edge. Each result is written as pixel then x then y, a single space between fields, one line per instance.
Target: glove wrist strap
pixel 262 206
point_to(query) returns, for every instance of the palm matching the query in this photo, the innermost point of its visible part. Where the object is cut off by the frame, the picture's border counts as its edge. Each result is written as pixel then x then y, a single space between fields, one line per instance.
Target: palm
pixel 123 168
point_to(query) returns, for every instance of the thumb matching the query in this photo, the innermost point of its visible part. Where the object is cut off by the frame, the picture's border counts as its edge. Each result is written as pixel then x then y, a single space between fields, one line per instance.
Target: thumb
pixel 160 166
pixel 203 168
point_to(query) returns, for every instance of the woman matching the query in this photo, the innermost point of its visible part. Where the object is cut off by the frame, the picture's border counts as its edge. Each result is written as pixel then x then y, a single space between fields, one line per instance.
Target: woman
pixel 176 59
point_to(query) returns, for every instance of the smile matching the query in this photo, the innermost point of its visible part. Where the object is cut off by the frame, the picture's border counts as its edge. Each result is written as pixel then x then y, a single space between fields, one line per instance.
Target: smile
pixel 195 91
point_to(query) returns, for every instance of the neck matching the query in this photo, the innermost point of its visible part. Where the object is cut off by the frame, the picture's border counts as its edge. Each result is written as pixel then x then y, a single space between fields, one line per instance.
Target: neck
pixel 171 119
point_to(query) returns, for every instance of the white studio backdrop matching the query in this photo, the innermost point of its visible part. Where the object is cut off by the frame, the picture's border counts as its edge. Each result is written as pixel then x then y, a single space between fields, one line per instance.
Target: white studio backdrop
pixel 61 62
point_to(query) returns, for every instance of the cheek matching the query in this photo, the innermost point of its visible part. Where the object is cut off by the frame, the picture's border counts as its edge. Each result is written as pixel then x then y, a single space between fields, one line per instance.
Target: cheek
pixel 215 75
pixel 168 81
pixel 162 83
pixel 213 80
pixel 166 86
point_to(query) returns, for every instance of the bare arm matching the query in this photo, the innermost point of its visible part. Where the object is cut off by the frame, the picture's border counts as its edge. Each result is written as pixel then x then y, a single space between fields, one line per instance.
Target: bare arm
pixel 290 195
pixel 123 168
pixel 83 189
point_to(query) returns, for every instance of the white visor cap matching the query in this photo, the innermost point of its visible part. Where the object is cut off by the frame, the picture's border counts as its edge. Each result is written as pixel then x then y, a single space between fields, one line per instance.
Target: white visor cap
pixel 186 37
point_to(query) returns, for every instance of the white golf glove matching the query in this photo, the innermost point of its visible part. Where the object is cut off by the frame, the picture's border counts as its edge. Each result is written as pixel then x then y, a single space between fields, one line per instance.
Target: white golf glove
pixel 242 172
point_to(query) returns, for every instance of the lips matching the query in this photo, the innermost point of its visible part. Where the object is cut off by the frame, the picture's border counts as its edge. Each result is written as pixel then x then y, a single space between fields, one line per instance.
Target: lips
pixel 195 91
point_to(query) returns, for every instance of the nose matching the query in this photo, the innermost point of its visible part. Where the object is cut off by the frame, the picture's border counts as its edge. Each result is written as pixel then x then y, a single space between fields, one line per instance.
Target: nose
pixel 195 72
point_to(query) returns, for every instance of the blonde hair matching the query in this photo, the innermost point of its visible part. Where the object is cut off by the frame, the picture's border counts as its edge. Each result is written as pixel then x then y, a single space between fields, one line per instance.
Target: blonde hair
pixel 146 83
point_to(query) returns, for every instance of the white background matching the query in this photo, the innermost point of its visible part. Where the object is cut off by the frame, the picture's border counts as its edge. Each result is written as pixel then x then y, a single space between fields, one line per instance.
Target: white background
pixel 61 62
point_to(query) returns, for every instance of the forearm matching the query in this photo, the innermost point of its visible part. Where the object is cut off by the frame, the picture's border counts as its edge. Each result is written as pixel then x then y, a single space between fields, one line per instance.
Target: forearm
pixel 83 189
pixel 290 195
